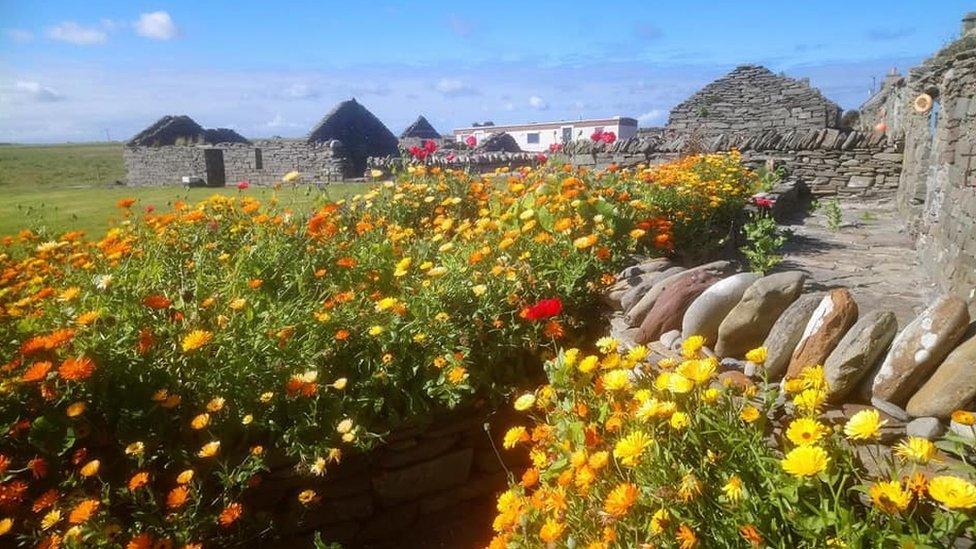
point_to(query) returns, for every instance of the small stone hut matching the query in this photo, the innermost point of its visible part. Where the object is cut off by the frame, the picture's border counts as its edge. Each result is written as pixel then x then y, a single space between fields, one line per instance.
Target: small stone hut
pixel 360 132
pixel 420 129
pixel 752 99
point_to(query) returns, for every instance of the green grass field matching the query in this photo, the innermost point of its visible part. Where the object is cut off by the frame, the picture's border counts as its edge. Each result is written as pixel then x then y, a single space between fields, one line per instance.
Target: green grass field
pixel 55 188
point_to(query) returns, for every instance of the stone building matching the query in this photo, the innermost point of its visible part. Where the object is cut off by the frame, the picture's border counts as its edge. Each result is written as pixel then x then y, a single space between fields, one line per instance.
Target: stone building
pixel 175 150
pixel 420 129
pixel 752 99
pixel 933 111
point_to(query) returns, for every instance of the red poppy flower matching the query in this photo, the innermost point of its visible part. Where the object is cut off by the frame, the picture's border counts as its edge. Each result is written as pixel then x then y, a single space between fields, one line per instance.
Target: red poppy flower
pixel 241 185
pixel 430 146
pixel 543 309
pixel 541 158
pixel 471 141
pixel 608 137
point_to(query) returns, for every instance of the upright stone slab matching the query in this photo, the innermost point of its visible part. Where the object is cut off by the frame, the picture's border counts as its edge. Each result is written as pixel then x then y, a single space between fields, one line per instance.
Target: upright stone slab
pixel 919 348
pixel 635 316
pixel 706 313
pixel 835 314
pixel 646 301
pixel 857 353
pixel 750 321
pixel 951 387
pixel 786 333
pixel 670 307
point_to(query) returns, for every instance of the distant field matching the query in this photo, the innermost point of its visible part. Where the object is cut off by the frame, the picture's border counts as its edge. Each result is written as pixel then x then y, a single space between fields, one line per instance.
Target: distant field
pixel 60 187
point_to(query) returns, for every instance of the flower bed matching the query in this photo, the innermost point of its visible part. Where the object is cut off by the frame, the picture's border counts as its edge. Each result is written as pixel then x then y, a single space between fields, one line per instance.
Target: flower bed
pixel 151 378
pixel 673 458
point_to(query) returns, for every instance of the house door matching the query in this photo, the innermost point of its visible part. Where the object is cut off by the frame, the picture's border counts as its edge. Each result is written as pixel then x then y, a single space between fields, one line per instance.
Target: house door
pixel 567 134
pixel 214 159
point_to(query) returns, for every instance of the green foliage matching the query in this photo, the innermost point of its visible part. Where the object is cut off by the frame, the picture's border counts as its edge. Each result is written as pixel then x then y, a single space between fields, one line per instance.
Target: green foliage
pixel 833 213
pixel 764 239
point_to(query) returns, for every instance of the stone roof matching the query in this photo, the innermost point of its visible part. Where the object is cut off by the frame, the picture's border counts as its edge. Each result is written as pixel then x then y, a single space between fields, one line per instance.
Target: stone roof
pixel 751 98
pixel 182 130
pixel 498 142
pixel 360 132
pixel 421 128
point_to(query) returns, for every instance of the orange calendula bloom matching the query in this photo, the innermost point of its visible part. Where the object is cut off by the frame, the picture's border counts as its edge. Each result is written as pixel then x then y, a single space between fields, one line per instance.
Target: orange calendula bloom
pixel 230 514
pixel 83 511
pixel 620 499
pixel 157 301
pixel 177 497
pixel 195 340
pixel 76 369
pixel 138 480
pixel 36 372
pixel 551 531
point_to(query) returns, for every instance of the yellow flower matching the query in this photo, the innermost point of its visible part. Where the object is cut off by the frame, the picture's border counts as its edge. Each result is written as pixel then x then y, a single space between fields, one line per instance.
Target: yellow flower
pixel 90 469
pixel 749 414
pixel 805 431
pixel 864 425
pixel 50 519
pixel 679 420
pixel 195 340
pixel 637 354
pixel 247 420
pixel 810 400
pixel 954 493
pixel 691 346
pixel 237 304
pixel 757 355
pixel 629 449
pixel 679 384
pixel 588 364
pixel 963 417
pixel 307 497
pixel 200 421
pixel 216 404
pixel 291 176
pixel 660 520
pixel 7 524
pixel 710 395
pixel 514 436
pixel 185 477
pixel 344 426
pixel 916 449
pixel 805 461
pixel 733 489
pixel 402 267
pixel 551 531
pixel 135 449
pixel 375 330
pixel 616 380
pixel 607 345
pixel 690 487
pixel 524 402
pixel 584 242
pixel 75 409
pixel 889 496
pixel 479 290
pixel 620 499
pixel 209 449
pixel 340 383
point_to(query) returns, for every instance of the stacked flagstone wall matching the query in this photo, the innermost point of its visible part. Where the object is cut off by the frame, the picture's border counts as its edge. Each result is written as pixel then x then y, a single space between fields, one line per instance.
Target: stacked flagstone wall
pixel 937 187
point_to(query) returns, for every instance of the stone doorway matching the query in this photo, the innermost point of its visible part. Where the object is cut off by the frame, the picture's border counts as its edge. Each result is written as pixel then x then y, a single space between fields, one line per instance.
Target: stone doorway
pixel 214 161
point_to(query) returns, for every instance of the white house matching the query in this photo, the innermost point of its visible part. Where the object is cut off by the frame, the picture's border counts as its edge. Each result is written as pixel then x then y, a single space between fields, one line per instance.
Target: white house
pixel 538 136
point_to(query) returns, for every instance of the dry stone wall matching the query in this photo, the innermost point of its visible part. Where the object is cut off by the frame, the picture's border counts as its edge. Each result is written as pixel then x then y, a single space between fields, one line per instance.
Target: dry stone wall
pixel 937 187
pixel 828 161
pixel 262 162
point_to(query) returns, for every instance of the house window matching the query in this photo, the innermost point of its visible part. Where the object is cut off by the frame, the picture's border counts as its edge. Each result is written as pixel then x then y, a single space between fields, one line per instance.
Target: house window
pixel 258 160
pixel 532 138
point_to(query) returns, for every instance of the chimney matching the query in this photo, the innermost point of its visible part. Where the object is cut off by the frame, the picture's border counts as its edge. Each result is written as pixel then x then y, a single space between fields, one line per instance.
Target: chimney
pixel 968 23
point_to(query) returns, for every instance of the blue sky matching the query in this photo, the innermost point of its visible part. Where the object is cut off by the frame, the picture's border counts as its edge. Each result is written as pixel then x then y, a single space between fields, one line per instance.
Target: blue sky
pixel 76 70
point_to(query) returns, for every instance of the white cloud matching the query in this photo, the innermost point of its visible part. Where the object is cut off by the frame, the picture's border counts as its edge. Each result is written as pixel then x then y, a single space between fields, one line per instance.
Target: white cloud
pixel 36 92
pixel 279 122
pixel 20 36
pixel 300 91
pixel 651 116
pixel 157 25
pixel 73 33
pixel 452 87
pixel 538 103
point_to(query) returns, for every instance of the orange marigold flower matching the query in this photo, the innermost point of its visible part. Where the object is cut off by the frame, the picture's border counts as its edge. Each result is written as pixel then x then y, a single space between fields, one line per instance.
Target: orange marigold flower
pixel 530 477
pixel 45 500
pixel 125 202
pixel 4 464
pixel 687 537
pixel 177 497
pixel 620 499
pixel 230 514
pixel 76 369
pixel 83 511
pixel 195 340
pixel 36 372
pixel 138 480
pixel 157 301
pixel 751 535
pixel 142 541
pixel 12 493
pixel 342 335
